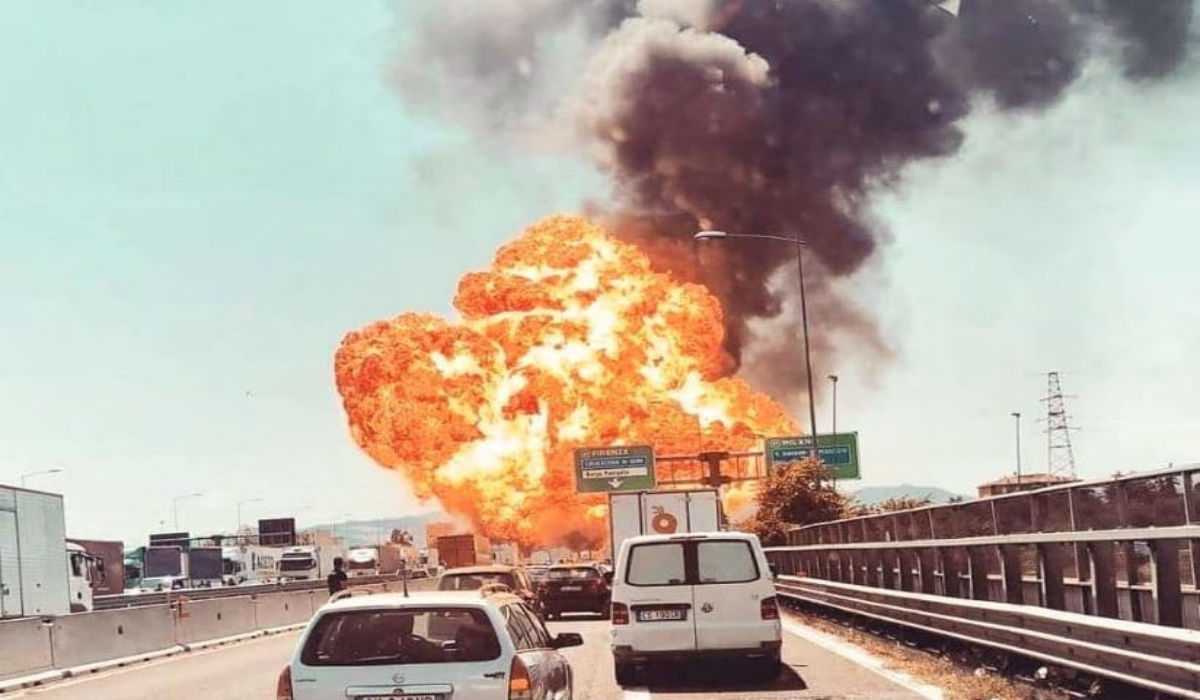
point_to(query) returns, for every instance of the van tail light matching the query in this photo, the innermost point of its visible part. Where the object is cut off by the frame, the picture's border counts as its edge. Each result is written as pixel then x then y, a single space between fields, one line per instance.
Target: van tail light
pixel 283 686
pixel 769 608
pixel 519 687
pixel 620 614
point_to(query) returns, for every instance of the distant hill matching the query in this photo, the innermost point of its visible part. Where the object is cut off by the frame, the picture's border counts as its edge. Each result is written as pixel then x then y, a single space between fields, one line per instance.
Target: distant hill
pixel 354 532
pixel 871 495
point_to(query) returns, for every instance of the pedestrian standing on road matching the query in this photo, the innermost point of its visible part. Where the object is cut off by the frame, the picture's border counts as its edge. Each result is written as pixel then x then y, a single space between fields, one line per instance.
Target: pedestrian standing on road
pixel 337 577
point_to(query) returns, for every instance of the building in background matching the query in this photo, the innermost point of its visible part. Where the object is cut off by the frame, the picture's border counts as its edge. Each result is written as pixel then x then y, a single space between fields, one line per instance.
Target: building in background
pixel 1026 482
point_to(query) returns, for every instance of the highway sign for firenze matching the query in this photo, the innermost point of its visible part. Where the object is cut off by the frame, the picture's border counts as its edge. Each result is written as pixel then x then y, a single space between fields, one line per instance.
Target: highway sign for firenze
pixel 839 453
pixel 608 469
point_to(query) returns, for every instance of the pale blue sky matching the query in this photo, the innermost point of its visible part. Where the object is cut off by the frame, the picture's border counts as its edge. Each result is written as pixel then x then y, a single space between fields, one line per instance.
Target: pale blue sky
pixel 196 202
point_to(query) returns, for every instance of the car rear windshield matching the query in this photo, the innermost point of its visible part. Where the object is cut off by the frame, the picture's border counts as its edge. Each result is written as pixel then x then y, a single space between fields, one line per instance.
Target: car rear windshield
pixel 473 582
pixel 574 573
pixel 406 636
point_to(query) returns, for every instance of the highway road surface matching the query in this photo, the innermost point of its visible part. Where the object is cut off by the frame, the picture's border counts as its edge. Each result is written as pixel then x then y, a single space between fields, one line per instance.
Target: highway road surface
pixel 247 671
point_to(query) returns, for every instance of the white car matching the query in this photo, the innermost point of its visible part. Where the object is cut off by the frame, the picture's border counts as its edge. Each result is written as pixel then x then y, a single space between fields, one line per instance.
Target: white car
pixel 427 646
pixel 693 596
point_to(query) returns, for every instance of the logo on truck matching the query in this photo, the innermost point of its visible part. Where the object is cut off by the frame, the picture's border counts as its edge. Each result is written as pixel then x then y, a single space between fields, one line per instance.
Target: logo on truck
pixel 663 522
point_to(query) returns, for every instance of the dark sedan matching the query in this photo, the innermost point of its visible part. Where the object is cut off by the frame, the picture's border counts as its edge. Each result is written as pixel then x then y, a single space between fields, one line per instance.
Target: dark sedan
pixel 574 588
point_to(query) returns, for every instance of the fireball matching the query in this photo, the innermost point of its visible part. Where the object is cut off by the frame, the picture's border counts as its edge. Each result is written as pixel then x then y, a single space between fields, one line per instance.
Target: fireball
pixel 570 339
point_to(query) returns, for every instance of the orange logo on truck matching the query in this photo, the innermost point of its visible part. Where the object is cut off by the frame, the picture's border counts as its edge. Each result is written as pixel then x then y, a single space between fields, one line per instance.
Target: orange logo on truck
pixel 663 522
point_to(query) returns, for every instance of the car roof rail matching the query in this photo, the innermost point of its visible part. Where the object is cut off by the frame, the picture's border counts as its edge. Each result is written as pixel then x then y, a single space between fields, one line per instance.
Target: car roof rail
pixel 350 593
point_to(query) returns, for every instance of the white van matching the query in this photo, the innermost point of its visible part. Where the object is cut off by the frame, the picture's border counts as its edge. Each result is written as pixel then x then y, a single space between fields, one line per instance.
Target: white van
pixel 693 595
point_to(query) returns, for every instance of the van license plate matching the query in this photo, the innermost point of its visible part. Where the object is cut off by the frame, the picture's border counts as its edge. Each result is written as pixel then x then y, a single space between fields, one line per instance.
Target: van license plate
pixel 661 615
pixel 424 696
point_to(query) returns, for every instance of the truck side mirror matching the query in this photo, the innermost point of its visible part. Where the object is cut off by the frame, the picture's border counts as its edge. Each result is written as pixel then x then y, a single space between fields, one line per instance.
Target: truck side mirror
pixel 773 570
pixel 608 577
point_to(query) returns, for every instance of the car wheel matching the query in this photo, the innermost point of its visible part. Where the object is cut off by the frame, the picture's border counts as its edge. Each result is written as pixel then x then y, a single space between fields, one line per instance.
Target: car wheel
pixel 625 672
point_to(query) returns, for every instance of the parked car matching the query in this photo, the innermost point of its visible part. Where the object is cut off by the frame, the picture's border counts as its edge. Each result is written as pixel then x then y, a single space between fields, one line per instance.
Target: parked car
pixel 693 596
pixel 449 646
pixel 472 578
pixel 574 588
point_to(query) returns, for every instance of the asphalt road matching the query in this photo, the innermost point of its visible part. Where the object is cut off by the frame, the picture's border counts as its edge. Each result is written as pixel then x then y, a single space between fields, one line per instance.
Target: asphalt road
pixel 248 670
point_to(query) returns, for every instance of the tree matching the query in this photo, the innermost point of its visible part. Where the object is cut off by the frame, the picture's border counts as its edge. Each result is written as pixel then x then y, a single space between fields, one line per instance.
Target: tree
pixel 791 496
pixel 403 538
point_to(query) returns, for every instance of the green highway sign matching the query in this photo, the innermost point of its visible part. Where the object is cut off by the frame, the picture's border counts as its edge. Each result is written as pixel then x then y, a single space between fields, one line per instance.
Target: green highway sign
pixel 608 469
pixel 839 453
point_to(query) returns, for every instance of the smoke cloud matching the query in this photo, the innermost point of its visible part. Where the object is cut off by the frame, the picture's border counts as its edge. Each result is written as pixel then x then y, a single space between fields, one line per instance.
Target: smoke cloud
pixel 765 117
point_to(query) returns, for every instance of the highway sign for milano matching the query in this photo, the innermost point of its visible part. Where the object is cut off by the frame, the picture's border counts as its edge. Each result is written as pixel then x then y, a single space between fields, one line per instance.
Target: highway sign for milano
pixel 608 469
pixel 839 453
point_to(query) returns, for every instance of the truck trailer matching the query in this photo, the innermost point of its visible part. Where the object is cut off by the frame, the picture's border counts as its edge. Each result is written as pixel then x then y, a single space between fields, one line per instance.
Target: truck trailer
pixel 662 513
pixel 40 572
pixel 463 550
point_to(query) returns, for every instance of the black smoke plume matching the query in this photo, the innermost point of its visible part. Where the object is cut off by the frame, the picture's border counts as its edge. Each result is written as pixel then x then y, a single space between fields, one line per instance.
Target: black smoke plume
pixel 766 116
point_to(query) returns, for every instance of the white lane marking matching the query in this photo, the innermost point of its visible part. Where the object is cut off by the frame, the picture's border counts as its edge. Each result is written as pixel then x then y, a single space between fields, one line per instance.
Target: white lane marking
pixel 635 694
pixel 36 690
pixel 862 658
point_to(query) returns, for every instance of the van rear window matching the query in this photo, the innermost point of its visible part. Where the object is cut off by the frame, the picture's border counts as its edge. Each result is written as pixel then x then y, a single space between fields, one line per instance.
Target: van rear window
pixel 656 565
pixel 725 561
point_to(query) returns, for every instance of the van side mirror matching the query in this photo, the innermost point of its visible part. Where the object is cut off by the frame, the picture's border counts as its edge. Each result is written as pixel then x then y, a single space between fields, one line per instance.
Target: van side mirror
pixel 608 577
pixel 773 570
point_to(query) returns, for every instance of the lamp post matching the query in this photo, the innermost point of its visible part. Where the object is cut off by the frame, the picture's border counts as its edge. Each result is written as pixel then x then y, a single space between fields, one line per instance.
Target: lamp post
pixel 799 243
pixel 175 506
pixel 1017 416
pixel 239 511
pixel 833 379
pixel 38 473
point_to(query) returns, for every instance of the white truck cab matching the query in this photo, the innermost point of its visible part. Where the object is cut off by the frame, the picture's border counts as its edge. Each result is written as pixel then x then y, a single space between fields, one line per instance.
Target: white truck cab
pixel 693 595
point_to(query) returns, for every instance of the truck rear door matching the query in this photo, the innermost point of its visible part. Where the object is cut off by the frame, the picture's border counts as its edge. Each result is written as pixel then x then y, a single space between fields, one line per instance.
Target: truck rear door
pixel 10 573
pixel 665 512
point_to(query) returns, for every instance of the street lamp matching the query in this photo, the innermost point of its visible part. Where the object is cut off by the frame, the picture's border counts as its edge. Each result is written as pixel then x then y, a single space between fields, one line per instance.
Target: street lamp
pixel 1016 415
pixel 239 511
pixel 175 505
pixel 833 378
pixel 799 243
pixel 44 471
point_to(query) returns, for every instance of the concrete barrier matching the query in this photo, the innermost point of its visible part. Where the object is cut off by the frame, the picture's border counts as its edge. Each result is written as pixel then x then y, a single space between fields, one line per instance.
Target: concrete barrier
pixel 201 620
pixel 24 647
pixel 85 638
pixel 279 609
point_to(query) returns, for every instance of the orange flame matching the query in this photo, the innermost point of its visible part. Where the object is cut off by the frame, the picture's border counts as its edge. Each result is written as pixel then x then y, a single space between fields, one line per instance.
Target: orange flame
pixel 569 340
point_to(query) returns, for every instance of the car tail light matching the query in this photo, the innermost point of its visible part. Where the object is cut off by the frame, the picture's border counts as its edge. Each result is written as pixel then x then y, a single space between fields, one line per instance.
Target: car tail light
pixel 283 686
pixel 769 608
pixel 620 614
pixel 519 687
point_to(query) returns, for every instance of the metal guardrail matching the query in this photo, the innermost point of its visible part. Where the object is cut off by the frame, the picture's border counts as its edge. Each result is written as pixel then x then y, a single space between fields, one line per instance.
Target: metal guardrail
pixel 1163 659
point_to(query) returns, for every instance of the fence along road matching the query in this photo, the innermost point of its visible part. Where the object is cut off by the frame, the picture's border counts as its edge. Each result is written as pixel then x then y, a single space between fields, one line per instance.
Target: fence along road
pixel 1097 576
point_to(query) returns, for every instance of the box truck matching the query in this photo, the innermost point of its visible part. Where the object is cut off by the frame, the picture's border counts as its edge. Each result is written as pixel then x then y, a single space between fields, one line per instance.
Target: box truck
pixel 306 562
pixel 463 550
pixel 662 513
pixel 40 572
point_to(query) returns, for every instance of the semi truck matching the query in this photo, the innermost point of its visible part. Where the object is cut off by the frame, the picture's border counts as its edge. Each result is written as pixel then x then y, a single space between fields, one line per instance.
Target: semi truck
pixel 107 565
pixel 249 564
pixel 40 572
pixel 463 550
pixel 662 513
